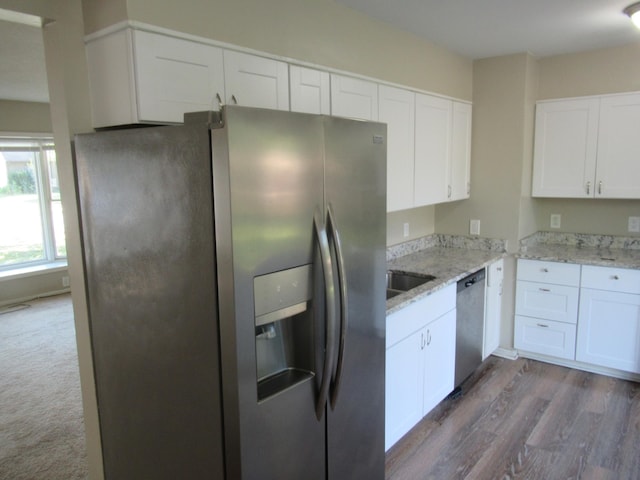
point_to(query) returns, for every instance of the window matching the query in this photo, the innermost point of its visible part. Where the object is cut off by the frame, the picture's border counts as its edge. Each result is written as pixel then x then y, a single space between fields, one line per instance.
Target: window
pixel 32 226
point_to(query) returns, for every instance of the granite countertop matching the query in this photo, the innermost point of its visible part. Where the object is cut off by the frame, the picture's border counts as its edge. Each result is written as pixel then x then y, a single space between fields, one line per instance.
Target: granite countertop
pixel 600 250
pixel 447 263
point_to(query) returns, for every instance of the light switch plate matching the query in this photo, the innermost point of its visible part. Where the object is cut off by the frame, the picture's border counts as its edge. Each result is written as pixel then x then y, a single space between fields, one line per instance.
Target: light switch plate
pixel 405 230
pixel 634 224
pixel 555 220
pixel 474 227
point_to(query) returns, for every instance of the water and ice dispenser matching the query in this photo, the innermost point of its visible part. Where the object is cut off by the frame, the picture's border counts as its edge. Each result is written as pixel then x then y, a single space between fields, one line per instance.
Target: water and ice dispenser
pixel 284 329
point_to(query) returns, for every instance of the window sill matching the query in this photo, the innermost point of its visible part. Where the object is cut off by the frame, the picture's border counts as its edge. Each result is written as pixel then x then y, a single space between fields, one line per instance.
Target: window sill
pixel 33 270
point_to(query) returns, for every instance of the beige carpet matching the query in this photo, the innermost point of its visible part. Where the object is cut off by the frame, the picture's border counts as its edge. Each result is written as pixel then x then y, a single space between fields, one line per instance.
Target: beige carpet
pixel 41 426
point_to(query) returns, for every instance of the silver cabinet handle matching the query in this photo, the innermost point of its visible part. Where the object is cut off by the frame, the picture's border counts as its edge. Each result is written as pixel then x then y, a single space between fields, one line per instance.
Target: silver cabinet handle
pixel 422 342
pixel 588 188
pixel 449 191
pixel 544 290
pixel 544 270
pixel 600 187
pixel 334 236
pixel 615 277
pixel 219 99
pixel 234 99
pixel 330 304
pixel 428 337
pixel 468 188
pixel 542 325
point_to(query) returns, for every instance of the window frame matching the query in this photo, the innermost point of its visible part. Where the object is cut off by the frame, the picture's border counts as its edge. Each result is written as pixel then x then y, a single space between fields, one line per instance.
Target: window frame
pixel 39 143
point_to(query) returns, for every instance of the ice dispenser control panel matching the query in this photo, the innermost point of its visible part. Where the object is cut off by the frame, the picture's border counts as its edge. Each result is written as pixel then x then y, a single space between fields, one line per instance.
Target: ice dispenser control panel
pixel 281 294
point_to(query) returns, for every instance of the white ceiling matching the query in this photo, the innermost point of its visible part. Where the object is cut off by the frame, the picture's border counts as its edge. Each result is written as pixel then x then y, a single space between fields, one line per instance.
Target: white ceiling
pixel 488 28
pixel 472 28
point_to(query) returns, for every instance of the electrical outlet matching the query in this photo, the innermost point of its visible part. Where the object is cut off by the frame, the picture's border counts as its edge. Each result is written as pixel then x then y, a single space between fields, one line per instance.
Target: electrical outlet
pixel 65 281
pixel 474 227
pixel 555 220
pixel 405 230
pixel 634 224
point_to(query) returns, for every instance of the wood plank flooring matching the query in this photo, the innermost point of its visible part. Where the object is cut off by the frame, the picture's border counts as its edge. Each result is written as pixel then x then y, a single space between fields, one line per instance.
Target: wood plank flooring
pixel 526 420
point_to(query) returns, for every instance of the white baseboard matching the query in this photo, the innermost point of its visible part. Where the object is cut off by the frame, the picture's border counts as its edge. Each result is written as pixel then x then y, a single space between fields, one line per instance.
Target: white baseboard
pixel 508 353
pixel 34 297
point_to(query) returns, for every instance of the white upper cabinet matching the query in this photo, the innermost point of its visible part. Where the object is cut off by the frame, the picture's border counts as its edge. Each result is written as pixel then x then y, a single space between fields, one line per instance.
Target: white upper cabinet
pixel 586 147
pixel 397 110
pixel 309 90
pixel 433 149
pixel 256 81
pixel 138 77
pixel 565 148
pixel 618 166
pixel 354 98
pixel 460 171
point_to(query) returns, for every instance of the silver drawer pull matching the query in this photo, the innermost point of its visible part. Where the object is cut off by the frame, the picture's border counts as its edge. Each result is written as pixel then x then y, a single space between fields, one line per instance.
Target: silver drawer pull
pixel 544 290
pixel 615 277
pixel 544 270
pixel 542 325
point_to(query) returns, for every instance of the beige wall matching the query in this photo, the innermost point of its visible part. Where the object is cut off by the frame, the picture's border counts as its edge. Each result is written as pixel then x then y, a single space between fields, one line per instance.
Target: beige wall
pixel 498 143
pixel 610 70
pixel 317 31
pixel 27 117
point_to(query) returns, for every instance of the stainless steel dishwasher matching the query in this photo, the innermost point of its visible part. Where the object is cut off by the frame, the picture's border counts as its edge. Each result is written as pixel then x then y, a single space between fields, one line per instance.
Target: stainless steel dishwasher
pixel 469 325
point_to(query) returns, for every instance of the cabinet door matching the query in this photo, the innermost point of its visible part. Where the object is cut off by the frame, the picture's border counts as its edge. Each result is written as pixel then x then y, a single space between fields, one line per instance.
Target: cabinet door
pixel 493 308
pixel 309 90
pixel 403 387
pixel 432 149
pixel 440 359
pixel 609 329
pixel 256 81
pixel 354 98
pixel 460 171
pixel 175 76
pixel 565 147
pixel 618 168
pixel 397 110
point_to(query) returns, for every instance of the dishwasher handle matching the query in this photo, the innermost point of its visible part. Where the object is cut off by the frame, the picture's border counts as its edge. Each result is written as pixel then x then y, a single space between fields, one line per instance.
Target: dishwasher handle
pixel 471 280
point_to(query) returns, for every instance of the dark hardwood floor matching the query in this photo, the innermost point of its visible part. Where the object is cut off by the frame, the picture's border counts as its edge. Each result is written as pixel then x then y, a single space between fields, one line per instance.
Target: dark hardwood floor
pixel 527 420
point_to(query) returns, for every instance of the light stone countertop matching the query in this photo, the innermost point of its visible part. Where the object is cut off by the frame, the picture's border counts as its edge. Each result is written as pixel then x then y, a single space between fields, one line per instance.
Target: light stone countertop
pixel 447 264
pixel 600 250
pixel 607 257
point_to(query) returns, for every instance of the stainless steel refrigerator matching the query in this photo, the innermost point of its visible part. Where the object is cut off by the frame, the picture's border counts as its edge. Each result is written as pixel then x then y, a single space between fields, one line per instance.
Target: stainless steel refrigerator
pixel 235 274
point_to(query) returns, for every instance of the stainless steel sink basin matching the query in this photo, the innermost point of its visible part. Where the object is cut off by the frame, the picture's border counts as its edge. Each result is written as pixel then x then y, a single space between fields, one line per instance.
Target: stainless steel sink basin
pixel 404 281
pixel 392 293
pixel 399 282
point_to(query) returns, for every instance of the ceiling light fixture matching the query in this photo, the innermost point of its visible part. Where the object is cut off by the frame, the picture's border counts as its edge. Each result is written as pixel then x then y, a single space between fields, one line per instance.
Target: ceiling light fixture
pixel 633 11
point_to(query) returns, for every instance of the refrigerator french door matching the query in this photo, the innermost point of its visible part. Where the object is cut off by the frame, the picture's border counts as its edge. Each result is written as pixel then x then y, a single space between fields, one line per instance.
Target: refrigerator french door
pixel 235 279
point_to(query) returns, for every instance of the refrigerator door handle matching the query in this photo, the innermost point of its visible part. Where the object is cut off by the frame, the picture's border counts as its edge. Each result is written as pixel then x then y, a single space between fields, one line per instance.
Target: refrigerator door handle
pixel 344 320
pixel 329 288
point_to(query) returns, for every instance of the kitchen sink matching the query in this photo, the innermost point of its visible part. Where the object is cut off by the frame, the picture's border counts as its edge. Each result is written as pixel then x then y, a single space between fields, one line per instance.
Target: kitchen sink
pixel 399 281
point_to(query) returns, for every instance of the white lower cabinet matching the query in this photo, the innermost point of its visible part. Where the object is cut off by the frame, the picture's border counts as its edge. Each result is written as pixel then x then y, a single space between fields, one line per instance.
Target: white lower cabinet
pixel 420 361
pixel 493 307
pixel 547 308
pixel 609 321
pixel 602 329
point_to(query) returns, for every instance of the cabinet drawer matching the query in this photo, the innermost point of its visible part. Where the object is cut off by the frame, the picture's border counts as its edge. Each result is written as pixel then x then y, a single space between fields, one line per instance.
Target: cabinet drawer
pixel 547 301
pixel 413 317
pixel 549 272
pixel 610 278
pixel 546 337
